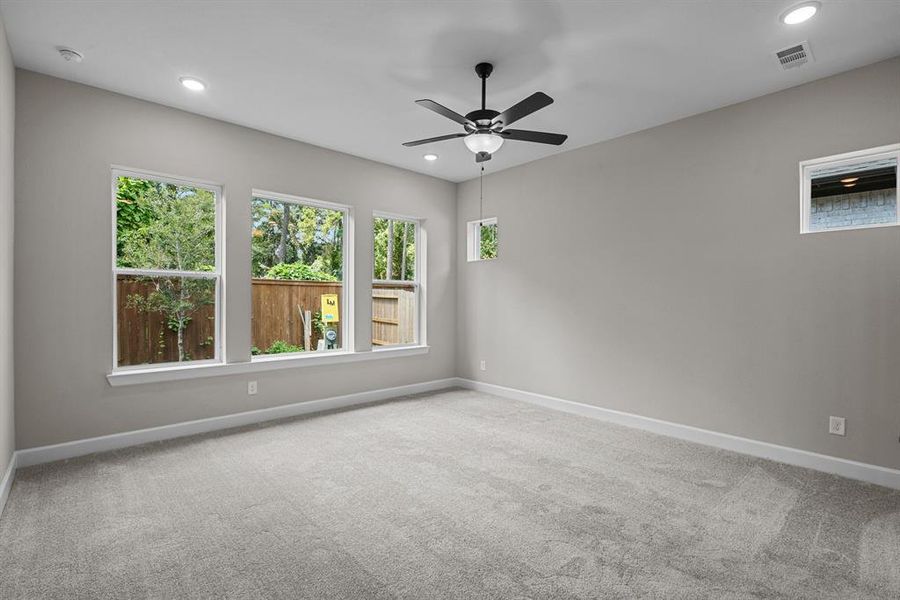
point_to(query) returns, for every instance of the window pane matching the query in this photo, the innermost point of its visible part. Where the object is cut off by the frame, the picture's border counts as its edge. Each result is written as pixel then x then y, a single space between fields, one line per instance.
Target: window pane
pixel 394 304
pixel 164 226
pixel 488 241
pixel 297 269
pixel 860 194
pixel 394 313
pixel 395 239
pixel 165 319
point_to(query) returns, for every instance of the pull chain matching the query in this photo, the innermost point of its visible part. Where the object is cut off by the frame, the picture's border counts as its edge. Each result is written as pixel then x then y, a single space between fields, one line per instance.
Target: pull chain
pixel 481 195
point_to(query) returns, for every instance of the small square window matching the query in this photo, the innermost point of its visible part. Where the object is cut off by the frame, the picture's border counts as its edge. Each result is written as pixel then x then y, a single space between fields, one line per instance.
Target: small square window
pixel 482 239
pixel 850 191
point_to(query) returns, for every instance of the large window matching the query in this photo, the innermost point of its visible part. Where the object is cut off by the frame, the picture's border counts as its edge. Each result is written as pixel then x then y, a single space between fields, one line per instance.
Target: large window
pixel 396 283
pixel 166 270
pixel 850 191
pixel 299 254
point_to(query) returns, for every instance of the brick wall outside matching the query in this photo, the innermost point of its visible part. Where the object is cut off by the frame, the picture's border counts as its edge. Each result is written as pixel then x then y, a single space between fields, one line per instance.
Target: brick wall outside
pixel 849 210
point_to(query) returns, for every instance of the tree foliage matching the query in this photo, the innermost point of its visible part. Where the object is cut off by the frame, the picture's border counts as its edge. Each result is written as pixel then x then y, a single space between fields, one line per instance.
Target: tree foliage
pixel 299 272
pixel 489 241
pixel 402 249
pixel 286 233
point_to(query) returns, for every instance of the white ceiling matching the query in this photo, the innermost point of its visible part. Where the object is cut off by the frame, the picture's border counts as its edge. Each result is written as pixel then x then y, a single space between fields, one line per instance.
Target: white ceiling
pixel 344 75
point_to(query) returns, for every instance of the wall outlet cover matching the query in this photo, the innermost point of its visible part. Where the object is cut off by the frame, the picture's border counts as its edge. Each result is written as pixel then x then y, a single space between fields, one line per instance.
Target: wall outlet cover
pixel 483 365
pixel 251 388
pixel 837 426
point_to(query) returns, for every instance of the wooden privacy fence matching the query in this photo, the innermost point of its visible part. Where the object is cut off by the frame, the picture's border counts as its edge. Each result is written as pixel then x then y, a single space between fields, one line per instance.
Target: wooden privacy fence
pixel 145 337
pixel 393 314
pixel 277 305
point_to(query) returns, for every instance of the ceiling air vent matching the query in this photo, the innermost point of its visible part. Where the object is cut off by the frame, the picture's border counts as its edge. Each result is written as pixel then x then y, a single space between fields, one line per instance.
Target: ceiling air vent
pixel 794 56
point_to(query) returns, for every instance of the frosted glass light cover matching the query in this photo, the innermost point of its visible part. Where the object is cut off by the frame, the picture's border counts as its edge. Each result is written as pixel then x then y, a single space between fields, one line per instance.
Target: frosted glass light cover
pixel 483 142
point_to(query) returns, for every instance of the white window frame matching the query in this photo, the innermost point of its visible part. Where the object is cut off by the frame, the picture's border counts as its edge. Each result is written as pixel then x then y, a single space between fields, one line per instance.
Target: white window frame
pixel 473 238
pixel 837 160
pixel 420 241
pixel 347 253
pixel 218 274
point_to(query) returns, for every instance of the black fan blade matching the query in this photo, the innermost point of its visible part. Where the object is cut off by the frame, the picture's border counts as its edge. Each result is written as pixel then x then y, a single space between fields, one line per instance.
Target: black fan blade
pixel 439 138
pixel 446 112
pixel 534 136
pixel 481 157
pixel 532 103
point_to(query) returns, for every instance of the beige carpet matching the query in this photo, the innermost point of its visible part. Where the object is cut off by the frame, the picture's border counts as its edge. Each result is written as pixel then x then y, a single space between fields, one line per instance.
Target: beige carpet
pixel 449 495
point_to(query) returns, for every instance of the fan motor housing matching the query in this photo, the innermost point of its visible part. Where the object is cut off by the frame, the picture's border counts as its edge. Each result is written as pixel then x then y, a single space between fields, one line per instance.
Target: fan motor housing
pixel 482 116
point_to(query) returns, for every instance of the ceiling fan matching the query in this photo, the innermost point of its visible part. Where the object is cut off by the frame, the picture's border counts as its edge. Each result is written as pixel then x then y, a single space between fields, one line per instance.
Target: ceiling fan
pixel 486 129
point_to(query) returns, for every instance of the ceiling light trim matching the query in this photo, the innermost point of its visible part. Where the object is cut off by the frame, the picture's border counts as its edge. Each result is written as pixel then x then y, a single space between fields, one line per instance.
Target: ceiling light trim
pixel 192 83
pixel 800 13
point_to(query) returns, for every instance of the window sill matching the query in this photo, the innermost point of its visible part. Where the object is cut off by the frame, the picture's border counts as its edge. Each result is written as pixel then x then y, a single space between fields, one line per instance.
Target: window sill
pixel 258 365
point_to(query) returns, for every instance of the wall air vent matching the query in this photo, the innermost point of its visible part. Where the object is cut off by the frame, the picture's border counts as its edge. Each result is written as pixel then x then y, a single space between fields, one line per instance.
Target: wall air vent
pixel 794 56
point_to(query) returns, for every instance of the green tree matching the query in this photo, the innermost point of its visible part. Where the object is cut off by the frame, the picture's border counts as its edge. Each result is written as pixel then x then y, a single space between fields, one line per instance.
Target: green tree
pixel 131 212
pixel 396 239
pixel 283 233
pixel 489 241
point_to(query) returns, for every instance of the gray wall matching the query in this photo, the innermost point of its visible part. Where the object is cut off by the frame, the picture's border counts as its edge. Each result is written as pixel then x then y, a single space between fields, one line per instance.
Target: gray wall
pixel 67 137
pixel 7 135
pixel 663 274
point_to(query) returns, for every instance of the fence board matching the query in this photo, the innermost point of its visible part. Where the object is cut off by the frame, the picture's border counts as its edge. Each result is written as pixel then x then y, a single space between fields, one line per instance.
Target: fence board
pixel 393 314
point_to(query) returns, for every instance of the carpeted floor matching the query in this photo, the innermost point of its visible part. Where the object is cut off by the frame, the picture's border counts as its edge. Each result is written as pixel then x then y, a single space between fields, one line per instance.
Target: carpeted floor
pixel 449 495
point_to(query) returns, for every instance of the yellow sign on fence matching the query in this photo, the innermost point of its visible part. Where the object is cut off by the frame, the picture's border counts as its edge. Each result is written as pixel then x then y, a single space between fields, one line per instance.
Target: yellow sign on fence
pixel 330 312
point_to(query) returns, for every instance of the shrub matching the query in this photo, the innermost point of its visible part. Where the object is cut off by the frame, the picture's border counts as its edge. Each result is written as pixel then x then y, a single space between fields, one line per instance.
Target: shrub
pixel 282 347
pixel 298 272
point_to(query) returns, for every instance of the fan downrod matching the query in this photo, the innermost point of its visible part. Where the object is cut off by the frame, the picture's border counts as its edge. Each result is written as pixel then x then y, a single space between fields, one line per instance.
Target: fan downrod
pixel 483 117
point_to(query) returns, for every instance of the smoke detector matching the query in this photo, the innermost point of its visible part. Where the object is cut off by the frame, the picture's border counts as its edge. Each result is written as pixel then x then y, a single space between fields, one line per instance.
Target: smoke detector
pixel 70 55
pixel 794 56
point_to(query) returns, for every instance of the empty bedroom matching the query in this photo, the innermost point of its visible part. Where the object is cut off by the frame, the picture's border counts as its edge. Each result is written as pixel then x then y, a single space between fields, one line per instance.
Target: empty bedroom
pixel 449 299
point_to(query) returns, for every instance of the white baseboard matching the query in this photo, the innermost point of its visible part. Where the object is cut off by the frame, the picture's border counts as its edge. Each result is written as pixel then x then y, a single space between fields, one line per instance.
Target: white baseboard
pixel 820 462
pixel 7 481
pixel 45 454
pixel 792 456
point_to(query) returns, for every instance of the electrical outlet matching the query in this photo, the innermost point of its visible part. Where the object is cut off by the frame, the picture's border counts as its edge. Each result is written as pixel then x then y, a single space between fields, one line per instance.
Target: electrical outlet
pixel 837 426
pixel 483 365
pixel 251 388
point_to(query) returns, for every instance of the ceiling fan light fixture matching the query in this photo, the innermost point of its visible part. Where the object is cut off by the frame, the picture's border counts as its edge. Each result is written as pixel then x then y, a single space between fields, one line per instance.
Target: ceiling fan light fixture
pixel 483 142
pixel 485 128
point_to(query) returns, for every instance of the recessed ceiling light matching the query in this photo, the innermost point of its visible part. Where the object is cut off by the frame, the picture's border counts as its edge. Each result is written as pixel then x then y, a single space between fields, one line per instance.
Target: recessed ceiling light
pixel 799 13
pixel 430 157
pixel 849 179
pixel 192 83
